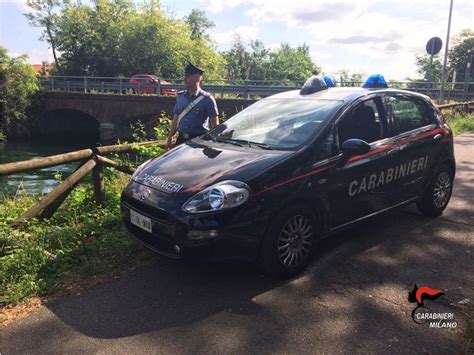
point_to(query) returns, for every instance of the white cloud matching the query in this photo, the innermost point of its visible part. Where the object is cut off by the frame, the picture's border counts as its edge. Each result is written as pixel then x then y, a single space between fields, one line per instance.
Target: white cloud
pixel 217 6
pixel 246 34
pixel 37 56
pixel 366 35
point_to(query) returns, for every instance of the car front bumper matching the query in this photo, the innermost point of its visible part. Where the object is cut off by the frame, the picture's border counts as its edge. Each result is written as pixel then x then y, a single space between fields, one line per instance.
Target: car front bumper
pixel 234 234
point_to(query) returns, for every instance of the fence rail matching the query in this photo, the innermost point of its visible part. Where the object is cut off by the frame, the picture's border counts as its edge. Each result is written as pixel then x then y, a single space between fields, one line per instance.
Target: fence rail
pixel 247 89
pixel 90 160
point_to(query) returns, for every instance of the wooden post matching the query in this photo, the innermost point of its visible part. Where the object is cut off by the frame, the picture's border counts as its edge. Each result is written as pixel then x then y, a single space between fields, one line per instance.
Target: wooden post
pixel 99 187
pixel 56 193
pixel 126 147
pixel 53 207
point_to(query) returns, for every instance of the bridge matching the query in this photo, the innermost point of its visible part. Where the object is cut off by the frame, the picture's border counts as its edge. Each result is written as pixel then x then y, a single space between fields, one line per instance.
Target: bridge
pixel 107 117
pixel 104 109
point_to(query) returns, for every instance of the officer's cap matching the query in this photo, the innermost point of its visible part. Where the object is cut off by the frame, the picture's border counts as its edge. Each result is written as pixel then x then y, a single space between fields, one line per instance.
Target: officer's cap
pixel 191 69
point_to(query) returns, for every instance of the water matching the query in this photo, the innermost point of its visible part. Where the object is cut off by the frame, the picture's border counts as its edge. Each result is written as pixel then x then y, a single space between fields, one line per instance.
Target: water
pixel 38 181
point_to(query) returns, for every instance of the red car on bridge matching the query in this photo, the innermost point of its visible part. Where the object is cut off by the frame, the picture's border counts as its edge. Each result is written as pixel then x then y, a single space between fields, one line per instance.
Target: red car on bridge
pixel 150 84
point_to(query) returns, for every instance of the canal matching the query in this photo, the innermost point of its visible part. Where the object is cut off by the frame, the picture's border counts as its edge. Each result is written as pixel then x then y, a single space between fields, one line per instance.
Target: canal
pixel 39 181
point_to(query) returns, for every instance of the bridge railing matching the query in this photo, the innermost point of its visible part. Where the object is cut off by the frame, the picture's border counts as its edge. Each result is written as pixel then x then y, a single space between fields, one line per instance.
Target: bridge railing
pixel 244 89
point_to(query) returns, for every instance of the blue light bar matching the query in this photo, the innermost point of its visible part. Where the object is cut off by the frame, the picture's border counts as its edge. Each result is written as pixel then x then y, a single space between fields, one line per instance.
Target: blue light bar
pixel 375 81
pixel 328 81
pixel 314 84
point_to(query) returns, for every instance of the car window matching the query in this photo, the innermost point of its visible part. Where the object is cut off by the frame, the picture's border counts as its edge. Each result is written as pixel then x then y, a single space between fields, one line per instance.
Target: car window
pixel 281 123
pixel 409 114
pixel 362 122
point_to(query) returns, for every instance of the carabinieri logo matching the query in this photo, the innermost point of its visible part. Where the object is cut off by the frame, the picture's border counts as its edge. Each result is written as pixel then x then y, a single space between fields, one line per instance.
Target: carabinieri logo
pixel 422 314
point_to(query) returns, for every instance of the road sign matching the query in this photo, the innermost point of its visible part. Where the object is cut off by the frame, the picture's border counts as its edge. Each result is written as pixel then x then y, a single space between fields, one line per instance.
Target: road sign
pixel 433 46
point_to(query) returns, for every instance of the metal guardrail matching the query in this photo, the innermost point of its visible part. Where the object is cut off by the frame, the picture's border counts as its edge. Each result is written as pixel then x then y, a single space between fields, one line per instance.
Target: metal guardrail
pixel 245 89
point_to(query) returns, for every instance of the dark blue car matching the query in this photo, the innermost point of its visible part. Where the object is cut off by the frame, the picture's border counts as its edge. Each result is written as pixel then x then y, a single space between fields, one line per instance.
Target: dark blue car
pixel 270 182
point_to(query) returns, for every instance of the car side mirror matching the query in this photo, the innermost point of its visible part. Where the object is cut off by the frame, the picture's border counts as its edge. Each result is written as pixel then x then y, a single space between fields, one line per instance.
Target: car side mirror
pixel 350 148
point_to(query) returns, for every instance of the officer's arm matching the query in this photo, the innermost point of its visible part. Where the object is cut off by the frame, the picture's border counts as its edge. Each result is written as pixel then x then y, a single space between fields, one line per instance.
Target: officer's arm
pixel 214 121
pixel 173 130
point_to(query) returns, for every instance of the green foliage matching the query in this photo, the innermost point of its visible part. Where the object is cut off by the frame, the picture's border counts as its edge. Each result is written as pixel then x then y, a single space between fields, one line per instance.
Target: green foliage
pixel 138 131
pixel 198 22
pixel 426 71
pixel 458 57
pixel 18 86
pixel 164 124
pixel 459 53
pixel 460 122
pixel 120 38
pixel 82 238
pixel 45 17
pixel 346 78
pixel 285 64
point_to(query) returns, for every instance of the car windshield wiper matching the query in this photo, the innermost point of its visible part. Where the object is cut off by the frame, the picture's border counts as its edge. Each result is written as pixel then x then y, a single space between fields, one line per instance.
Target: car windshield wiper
pixel 230 141
pixel 261 145
pixel 210 136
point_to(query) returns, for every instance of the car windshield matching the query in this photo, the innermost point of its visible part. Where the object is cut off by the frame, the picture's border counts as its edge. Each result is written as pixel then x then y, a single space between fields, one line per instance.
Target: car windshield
pixel 278 123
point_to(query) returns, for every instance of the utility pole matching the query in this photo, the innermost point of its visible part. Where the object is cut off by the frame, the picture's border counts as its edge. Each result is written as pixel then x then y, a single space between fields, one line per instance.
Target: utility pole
pixel 443 73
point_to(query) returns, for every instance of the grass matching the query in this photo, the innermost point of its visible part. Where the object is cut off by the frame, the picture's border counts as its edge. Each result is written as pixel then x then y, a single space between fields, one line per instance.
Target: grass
pixel 460 122
pixel 80 239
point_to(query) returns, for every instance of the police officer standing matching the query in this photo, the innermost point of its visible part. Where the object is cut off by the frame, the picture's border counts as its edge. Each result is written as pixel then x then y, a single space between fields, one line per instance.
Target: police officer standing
pixel 195 110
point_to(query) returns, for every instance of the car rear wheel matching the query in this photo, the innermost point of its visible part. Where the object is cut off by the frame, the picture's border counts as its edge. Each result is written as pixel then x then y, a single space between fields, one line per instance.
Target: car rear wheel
pixel 289 242
pixel 438 194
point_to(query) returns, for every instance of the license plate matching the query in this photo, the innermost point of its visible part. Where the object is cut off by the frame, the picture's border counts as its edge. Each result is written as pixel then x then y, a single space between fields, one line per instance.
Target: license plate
pixel 140 221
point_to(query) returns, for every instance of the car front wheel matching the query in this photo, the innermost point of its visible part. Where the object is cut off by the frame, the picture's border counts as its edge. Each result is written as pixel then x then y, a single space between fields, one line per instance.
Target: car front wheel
pixel 438 194
pixel 289 242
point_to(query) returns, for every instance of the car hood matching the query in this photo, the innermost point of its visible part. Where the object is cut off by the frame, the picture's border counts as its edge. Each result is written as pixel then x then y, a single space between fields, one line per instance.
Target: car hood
pixel 197 164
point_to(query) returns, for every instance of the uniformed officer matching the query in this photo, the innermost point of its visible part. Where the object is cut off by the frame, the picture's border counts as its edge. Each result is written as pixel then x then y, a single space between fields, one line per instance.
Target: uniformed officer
pixel 195 110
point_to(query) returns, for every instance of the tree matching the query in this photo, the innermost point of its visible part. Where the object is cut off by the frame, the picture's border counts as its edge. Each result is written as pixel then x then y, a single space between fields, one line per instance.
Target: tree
pixel 459 53
pixel 285 64
pixel 119 38
pixel 198 22
pixel 18 85
pixel 426 71
pixel 45 16
pixel 292 64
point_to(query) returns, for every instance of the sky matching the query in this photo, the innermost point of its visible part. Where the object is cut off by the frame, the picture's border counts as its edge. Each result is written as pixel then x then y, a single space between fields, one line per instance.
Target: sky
pixel 364 36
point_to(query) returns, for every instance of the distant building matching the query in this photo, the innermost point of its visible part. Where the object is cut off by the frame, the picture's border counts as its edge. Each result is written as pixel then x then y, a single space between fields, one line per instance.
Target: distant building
pixel 43 69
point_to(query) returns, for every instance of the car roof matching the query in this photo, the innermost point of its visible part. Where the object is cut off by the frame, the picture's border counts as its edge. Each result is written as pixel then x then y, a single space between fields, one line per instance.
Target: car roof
pixel 343 93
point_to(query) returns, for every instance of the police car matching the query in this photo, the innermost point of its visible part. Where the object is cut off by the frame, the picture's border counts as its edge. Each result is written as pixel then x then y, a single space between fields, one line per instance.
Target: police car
pixel 293 168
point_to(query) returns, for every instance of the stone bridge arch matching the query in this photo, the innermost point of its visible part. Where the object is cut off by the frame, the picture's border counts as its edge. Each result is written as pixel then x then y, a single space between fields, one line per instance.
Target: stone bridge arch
pixel 68 124
pixel 114 113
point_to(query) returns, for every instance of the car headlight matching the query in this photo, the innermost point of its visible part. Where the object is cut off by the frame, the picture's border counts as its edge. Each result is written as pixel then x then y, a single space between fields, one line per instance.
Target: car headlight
pixel 139 169
pixel 226 194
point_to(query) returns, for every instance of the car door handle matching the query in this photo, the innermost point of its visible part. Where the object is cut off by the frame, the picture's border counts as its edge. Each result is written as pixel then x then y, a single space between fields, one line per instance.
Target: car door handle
pixel 438 137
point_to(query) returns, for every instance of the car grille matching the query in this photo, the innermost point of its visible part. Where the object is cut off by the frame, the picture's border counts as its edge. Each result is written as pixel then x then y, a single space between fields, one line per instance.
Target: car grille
pixel 152 212
pixel 158 244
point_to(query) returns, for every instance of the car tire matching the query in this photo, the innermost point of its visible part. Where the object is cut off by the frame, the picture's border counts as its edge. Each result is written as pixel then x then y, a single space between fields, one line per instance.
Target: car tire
pixel 438 193
pixel 289 242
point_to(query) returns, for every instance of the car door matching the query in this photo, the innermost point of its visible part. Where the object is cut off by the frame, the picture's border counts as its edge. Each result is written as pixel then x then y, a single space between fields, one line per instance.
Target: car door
pixel 418 136
pixel 359 187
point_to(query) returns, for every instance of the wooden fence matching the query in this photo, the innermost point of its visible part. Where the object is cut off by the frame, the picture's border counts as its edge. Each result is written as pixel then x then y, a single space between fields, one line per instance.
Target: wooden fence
pixel 90 160
pixel 462 106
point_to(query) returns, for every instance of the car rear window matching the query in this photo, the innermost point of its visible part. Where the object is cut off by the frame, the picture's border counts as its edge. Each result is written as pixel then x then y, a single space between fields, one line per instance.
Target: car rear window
pixel 409 113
